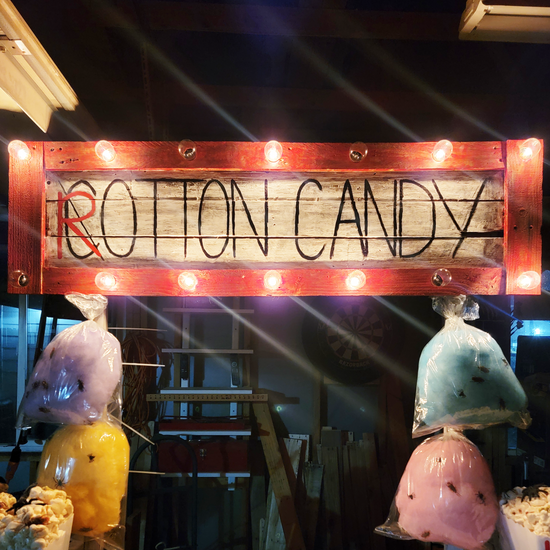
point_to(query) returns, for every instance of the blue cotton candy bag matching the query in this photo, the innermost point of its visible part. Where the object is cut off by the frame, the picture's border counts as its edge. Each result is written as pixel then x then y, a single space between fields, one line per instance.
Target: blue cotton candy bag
pixel 464 380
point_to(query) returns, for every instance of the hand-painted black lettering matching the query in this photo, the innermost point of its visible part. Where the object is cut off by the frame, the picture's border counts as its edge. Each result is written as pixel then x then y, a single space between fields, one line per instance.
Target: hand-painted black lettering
pixel 201 205
pixel 235 187
pixel 67 239
pixel 464 233
pixel 401 200
pixel 134 214
pixel 297 221
pixel 356 220
pixel 367 191
pixel 185 181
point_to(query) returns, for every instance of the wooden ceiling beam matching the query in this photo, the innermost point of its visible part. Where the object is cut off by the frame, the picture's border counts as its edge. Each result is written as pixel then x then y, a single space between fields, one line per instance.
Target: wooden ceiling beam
pixel 285 21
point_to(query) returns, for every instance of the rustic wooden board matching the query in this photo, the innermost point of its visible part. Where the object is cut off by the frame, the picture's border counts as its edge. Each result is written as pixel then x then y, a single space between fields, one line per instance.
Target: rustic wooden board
pixel 305 282
pixel 26 221
pixel 279 481
pixel 240 156
pixel 331 491
pixel 275 536
pixel 523 217
pixel 313 477
pixel 396 214
pixel 273 218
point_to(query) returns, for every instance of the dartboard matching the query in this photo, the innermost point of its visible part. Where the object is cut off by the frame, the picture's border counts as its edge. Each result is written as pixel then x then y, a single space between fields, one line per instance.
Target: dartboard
pixel 350 339
pixel 355 332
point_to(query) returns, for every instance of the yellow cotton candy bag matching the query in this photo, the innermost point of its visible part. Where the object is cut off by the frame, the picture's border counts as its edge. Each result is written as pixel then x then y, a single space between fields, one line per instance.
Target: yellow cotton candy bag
pixel 91 464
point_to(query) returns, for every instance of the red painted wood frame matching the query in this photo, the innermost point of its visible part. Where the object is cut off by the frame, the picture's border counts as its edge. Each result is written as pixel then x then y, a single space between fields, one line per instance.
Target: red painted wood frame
pixel 522 217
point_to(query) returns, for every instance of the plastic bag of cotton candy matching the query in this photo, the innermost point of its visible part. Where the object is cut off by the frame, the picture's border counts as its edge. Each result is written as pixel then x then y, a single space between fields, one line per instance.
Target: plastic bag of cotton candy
pixel 90 463
pixel 446 495
pixel 464 379
pixel 78 373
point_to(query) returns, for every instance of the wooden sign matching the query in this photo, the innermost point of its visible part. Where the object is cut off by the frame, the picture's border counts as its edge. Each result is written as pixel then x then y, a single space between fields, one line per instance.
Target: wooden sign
pixel 228 216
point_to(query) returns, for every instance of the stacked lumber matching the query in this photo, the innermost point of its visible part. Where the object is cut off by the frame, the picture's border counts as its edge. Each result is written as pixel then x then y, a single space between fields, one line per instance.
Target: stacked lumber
pixel 353 503
pixel 305 481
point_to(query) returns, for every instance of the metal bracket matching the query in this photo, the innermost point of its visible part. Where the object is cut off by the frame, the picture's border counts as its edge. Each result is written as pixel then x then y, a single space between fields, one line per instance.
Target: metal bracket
pixel 14 47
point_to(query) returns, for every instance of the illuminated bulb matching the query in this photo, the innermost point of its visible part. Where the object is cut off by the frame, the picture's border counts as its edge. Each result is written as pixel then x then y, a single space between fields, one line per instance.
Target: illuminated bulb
pixel 442 150
pixel 187 281
pixel 358 151
pixel 441 277
pixel 272 280
pixel 105 281
pixel 105 151
pixel 528 280
pixel 273 151
pixel 187 149
pixel 529 149
pixel 19 149
pixel 356 280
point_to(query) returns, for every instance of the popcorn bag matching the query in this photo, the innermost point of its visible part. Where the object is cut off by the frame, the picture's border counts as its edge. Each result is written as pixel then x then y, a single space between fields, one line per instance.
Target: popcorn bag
pixel 446 495
pixel 77 375
pixel 90 463
pixel 464 380
pixel 524 519
pixel 40 520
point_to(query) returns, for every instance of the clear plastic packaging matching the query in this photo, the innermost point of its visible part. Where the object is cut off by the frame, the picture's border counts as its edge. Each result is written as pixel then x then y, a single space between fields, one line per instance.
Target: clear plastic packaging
pixel 40 519
pixel 78 374
pixel 90 463
pixel 446 495
pixel 524 522
pixel 464 379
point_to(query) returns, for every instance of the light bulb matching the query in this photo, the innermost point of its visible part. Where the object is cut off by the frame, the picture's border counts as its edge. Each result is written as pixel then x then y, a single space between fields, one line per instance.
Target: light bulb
pixel 356 280
pixel 187 281
pixel 105 280
pixel 441 277
pixel 442 150
pixel 273 151
pixel 529 149
pixel 19 149
pixel 187 149
pixel 105 151
pixel 528 280
pixel 358 151
pixel 272 280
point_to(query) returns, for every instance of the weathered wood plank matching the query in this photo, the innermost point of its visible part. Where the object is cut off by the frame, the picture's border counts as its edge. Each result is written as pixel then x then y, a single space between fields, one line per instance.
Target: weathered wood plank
pixel 279 481
pixel 313 476
pixel 384 281
pixel 212 155
pixel 452 186
pixel 26 222
pixel 523 217
pixel 331 488
pixel 139 221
